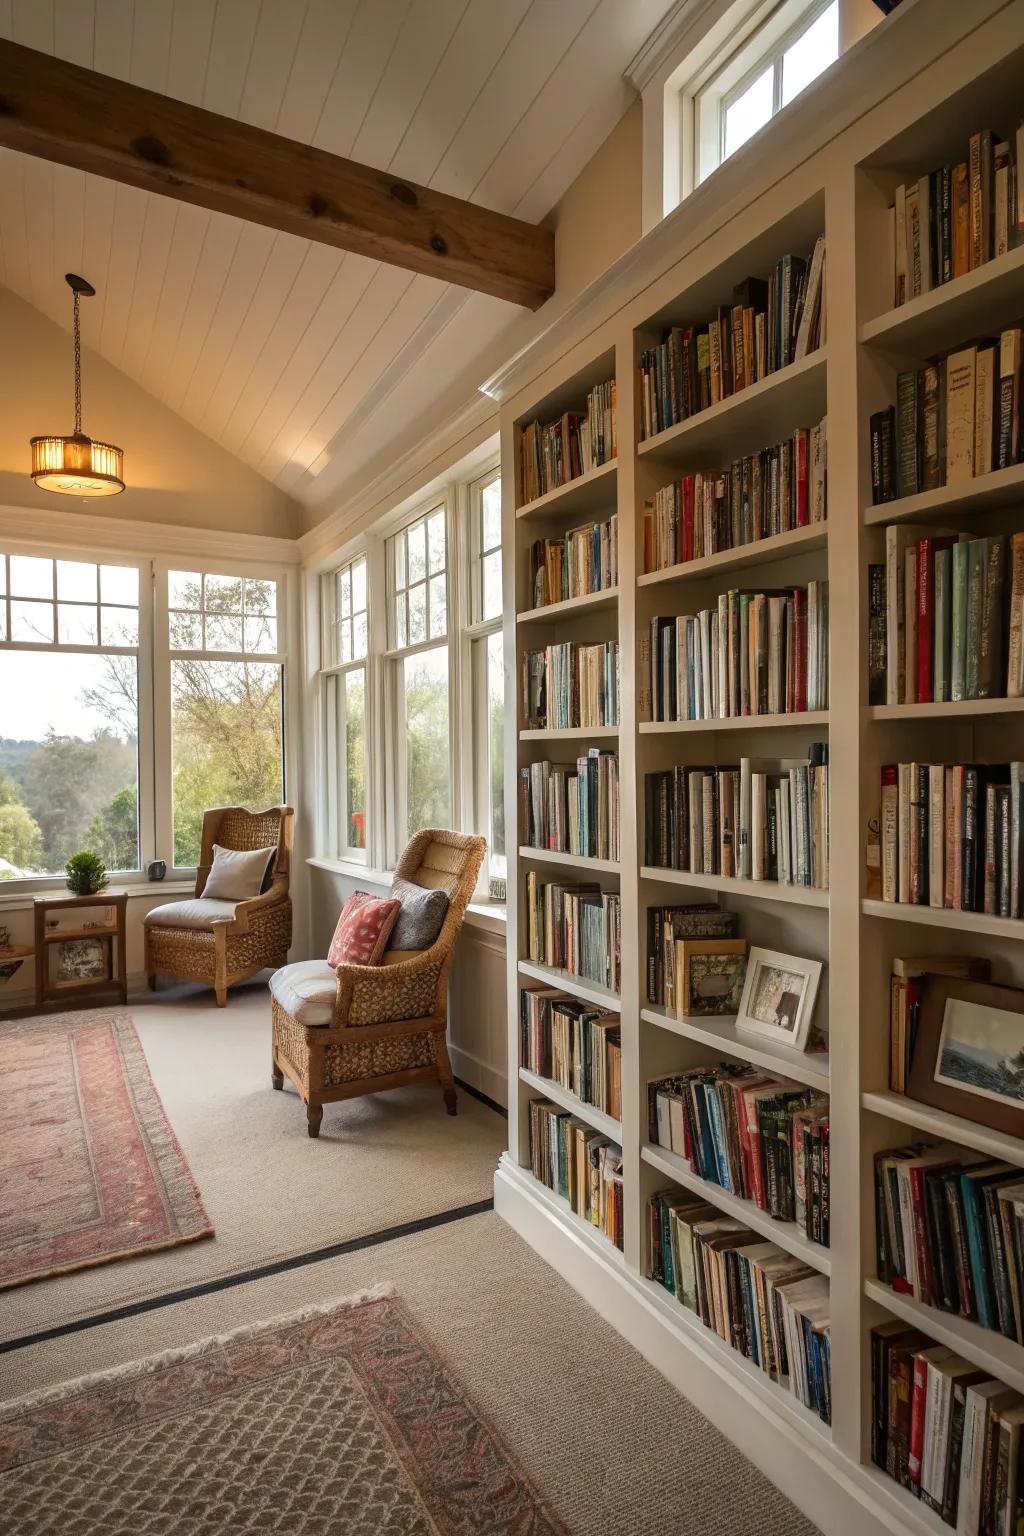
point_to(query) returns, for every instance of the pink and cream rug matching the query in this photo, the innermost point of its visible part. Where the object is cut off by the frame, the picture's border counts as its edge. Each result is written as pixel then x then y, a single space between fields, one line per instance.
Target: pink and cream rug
pixel 338 1419
pixel 90 1169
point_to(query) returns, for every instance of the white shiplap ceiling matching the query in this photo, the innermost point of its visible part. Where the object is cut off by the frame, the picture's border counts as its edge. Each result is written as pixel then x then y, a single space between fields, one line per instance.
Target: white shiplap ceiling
pixel 306 362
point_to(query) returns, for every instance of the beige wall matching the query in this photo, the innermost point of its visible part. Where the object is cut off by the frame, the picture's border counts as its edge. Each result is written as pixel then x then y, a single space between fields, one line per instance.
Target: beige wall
pixel 174 474
pixel 600 216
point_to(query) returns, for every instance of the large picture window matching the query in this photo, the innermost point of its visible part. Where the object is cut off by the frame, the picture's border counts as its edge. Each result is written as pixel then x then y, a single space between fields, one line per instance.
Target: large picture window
pixel 344 649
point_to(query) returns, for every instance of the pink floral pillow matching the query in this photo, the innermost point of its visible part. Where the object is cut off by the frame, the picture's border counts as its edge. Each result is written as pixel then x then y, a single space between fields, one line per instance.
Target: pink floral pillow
pixel 363 930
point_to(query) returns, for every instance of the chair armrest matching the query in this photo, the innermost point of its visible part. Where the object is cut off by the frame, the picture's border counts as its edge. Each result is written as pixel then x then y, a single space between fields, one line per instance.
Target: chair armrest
pixel 381 994
pixel 253 907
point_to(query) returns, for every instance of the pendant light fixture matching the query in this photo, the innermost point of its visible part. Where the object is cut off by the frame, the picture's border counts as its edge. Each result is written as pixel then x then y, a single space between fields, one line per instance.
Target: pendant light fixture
pixel 76 465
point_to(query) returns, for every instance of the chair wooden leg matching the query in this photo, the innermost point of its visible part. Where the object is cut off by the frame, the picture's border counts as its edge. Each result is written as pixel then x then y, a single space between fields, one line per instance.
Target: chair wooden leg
pixel 314 1115
pixel 151 978
pixel 222 996
pixel 445 1073
pixel 276 1075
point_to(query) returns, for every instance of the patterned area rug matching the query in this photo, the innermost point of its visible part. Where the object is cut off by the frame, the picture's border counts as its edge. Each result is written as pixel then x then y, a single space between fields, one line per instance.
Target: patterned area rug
pixel 338 1419
pixel 90 1169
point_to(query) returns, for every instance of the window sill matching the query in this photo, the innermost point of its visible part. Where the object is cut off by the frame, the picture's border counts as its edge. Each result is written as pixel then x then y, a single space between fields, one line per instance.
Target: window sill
pixel 490 916
pixel 23 900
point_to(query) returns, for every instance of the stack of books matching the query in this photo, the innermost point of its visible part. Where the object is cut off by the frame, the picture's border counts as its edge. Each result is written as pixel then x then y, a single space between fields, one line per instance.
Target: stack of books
pixel 951 836
pixel 908 973
pixel 757 497
pixel 586 560
pixel 771 323
pixel 759 1137
pixel 579 1164
pixel 667 928
pixel 553 453
pixel 570 685
pixel 574 1044
pixel 771 1307
pixel 765 820
pixel 954 420
pixel 946 1431
pixel 572 809
pixel 956 218
pixel 945 618
pixel 755 653
pixel 950 1233
pixel 577 928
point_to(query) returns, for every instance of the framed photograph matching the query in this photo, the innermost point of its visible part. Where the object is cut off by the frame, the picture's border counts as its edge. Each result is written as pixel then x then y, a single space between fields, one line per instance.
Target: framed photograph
pixel 709 976
pixel 778 997
pixel 82 960
pixel 969 1052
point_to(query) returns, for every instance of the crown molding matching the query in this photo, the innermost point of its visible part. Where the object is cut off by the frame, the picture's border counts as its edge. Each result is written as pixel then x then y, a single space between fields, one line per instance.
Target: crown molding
pixel 663 41
pixel 91 531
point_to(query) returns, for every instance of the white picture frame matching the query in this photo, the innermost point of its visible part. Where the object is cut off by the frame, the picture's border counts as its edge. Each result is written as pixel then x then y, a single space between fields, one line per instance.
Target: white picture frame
pixel 778 999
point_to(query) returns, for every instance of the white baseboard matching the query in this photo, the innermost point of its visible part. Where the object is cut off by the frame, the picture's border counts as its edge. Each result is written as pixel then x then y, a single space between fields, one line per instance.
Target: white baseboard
pixel 827 1486
pixel 479 1074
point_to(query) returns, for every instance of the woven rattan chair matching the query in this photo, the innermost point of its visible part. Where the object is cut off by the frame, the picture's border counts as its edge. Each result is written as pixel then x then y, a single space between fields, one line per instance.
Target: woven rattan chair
pixel 222 942
pixel 364 1028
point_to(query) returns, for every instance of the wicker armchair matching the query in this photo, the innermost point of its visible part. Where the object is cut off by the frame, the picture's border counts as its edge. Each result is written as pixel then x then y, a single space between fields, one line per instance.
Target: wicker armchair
pixel 222 942
pixel 338 1034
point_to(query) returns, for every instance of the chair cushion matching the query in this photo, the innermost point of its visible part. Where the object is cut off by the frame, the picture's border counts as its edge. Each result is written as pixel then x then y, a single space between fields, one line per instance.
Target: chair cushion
pixel 196 912
pixel 237 874
pixel 421 917
pixel 306 989
pixel 363 930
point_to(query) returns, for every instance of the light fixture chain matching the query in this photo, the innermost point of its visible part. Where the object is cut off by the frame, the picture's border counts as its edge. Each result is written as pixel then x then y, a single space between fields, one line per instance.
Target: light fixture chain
pixel 78 369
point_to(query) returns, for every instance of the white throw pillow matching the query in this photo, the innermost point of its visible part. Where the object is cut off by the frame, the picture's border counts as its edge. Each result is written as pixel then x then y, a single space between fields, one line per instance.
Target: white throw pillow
pixel 236 875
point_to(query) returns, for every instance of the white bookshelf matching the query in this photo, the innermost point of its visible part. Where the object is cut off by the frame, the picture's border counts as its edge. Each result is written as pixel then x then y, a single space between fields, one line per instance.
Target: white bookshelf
pixel 844 190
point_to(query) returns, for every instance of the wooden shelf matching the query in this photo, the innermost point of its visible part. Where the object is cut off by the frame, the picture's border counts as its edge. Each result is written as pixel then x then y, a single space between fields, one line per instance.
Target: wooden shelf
pixel 570 860
pixel 590 602
pixel 571 733
pixel 786 1233
pixel 989 1351
pixel 944 917
pixel 587 493
pixel 58 935
pixel 756 417
pixel 985 493
pixel 809 1067
pixel 16 952
pixel 946 710
pixel 811 719
pixel 756 890
pixel 585 1231
pixel 568 1100
pixel 981 301
pixel 82 983
pixel 947 1127
pixel 576 986
pixel 781 546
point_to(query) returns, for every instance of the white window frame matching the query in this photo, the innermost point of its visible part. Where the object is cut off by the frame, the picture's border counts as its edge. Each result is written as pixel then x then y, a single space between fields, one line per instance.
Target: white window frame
pixel 333 671
pixel 474 635
pixel 144 656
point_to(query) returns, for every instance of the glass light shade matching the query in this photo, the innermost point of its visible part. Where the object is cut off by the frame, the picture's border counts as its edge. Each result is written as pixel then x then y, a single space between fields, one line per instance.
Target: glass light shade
pixel 77 466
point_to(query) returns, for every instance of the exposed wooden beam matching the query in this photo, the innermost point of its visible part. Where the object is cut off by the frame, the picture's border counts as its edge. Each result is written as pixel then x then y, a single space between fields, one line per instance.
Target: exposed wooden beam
pixel 61 112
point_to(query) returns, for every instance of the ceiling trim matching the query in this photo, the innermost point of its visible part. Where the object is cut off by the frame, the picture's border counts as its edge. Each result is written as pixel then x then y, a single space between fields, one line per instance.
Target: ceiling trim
pixel 88 530
pixel 663 42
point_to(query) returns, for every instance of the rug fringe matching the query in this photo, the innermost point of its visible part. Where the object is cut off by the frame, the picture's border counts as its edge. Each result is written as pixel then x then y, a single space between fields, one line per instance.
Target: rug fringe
pixel 133 1368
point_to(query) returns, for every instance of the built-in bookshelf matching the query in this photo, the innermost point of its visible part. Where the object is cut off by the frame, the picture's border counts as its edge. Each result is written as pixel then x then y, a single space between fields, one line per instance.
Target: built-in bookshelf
pixel 867 343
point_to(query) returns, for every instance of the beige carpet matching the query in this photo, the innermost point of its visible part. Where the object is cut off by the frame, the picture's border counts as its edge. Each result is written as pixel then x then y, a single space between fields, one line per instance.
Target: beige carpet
pixel 607 1442
pixel 269 1190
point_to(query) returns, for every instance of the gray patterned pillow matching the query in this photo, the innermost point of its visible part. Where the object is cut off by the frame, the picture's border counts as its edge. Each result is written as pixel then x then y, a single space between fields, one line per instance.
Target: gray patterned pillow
pixel 420 917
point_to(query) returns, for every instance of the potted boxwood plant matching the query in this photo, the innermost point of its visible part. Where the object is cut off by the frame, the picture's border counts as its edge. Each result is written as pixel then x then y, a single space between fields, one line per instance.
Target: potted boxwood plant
pixel 86 873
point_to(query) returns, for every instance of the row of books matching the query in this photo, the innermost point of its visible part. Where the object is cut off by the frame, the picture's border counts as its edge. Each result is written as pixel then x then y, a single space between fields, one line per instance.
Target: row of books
pixel 574 1044
pixel 954 219
pixel 905 987
pixel 571 685
pixel 767 1305
pixel 950 1232
pixel 765 820
pixel 555 452
pixel 577 928
pixel 755 653
pixel 771 323
pixel 585 560
pixel 766 493
pixel 579 1164
pixel 758 1137
pixel 953 420
pixel 670 927
pixel 946 1431
pixel 945 617
pixel 572 809
pixel 951 836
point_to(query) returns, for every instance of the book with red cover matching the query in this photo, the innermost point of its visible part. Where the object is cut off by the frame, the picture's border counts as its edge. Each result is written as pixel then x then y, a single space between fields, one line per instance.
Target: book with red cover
pixel 801 443
pixel 926 551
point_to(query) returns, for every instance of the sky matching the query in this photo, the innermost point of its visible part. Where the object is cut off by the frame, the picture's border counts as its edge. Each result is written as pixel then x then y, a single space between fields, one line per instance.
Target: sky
pixel 42 689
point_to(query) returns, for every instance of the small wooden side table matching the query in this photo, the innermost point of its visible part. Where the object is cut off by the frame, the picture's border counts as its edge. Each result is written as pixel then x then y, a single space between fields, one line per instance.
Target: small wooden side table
pixel 112 937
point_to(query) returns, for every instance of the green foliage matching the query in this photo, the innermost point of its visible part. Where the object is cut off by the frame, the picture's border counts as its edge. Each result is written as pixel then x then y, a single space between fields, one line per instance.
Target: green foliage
pixel 86 872
pixel 114 831
pixel 21 841
pixel 67 784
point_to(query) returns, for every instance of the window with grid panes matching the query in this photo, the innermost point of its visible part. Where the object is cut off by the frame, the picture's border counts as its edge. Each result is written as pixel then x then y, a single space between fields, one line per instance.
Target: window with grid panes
pixel 346 641
pixel 488 667
pixel 418 623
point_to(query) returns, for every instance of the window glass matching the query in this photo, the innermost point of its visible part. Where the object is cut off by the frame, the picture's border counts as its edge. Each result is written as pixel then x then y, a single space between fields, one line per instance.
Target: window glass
pixel 420 575
pixel 810 54
pixel 427 756
pixel 222 613
pixel 496 754
pixel 749 112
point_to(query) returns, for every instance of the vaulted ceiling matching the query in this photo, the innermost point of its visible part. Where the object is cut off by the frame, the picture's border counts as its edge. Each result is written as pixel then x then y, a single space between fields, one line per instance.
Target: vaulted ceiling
pixel 306 362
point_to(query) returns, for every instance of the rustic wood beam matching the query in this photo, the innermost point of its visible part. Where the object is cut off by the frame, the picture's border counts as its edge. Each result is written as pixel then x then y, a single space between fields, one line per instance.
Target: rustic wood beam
pixel 77 117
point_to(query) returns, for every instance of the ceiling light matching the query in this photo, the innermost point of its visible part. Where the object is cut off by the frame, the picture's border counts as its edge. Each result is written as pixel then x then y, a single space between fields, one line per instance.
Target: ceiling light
pixel 76 465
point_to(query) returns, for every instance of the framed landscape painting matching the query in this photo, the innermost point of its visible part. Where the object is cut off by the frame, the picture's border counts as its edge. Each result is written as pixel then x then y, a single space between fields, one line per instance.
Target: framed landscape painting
pixel 969 1053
